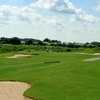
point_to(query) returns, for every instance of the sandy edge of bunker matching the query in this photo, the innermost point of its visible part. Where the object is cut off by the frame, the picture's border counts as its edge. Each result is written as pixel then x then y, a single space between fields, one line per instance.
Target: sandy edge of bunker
pixel 13 90
pixel 19 56
pixel 87 53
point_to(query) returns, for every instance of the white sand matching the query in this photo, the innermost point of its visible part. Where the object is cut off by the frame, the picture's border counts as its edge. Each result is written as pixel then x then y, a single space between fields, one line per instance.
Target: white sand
pixel 80 53
pixel 87 53
pixel 13 90
pixel 96 54
pixel 19 56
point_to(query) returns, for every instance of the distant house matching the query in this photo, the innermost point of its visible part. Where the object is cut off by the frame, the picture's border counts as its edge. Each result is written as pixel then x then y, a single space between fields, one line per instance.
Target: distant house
pixel 22 42
pixel 90 45
pixel 35 42
pixel 80 44
pixel 46 43
pixel 54 43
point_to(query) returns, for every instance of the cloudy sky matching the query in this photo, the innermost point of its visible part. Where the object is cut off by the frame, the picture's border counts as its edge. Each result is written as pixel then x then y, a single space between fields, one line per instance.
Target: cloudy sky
pixel 65 20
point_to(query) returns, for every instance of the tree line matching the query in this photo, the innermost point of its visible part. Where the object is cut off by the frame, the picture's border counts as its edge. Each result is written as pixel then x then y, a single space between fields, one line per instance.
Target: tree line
pixel 46 41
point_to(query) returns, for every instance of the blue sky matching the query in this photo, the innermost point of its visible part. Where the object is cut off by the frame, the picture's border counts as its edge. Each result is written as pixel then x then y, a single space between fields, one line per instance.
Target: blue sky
pixel 65 20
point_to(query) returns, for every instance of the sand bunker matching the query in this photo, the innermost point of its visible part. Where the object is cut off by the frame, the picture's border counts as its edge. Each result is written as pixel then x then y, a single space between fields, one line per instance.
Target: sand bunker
pixel 96 54
pixel 87 53
pixel 80 53
pixel 13 90
pixel 19 56
pixel 92 59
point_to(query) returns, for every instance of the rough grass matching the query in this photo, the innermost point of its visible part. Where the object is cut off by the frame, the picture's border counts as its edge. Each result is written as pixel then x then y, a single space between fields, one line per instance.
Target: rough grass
pixel 4 48
pixel 70 79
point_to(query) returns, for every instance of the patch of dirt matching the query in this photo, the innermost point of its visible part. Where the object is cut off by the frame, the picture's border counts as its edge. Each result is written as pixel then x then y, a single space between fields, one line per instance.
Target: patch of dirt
pixel 19 56
pixel 92 59
pixel 13 90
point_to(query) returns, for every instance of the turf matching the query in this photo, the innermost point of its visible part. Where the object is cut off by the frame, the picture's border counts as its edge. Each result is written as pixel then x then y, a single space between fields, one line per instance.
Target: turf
pixel 67 78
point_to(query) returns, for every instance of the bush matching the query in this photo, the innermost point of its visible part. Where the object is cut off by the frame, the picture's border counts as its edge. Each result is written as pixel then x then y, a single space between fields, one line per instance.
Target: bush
pixel 68 50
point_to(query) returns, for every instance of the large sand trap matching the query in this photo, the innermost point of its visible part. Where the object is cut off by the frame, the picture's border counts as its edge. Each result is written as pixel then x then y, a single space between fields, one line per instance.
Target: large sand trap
pixel 13 90
pixel 19 56
pixel 92 59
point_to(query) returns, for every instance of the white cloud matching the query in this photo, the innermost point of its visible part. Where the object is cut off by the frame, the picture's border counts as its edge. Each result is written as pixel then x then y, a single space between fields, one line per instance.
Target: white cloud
pixel 25 14
pixel 6 13
pixel 65 6
pixel 9 13
pixel 97 8
pixel 58 22
pixel 85 18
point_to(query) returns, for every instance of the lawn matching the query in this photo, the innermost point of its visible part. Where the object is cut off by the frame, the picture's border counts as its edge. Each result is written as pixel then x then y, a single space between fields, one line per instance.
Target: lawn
pixel 54 76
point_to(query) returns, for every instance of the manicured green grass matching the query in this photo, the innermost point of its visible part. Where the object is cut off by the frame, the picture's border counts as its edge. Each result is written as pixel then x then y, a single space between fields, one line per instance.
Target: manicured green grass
pixel 69 79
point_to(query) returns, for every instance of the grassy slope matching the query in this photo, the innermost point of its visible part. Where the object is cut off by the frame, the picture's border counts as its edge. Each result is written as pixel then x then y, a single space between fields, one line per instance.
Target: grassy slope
pixel 71 79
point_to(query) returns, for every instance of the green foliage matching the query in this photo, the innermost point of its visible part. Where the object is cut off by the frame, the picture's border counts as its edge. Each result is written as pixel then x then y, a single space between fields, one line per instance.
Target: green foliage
pixel 28 42
pixel 12 48
pixel 47 41
pixel 97 49
pixel 15 41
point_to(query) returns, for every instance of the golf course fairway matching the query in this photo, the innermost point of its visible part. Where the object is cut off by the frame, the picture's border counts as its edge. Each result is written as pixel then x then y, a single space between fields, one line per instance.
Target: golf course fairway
pixel 54 76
